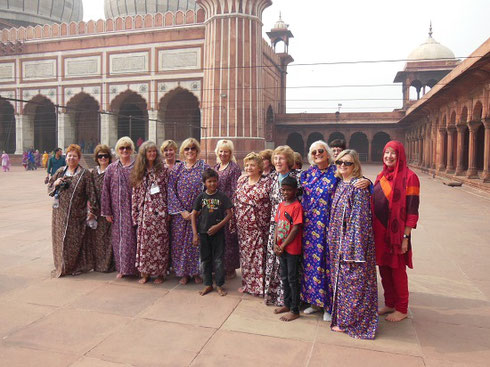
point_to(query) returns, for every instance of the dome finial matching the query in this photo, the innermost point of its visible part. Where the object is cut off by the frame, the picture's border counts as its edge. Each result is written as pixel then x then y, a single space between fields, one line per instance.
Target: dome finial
pixel 430 29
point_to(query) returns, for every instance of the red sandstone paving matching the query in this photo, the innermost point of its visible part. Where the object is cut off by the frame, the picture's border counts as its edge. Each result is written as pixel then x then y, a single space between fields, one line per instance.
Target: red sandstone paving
pixel 96 320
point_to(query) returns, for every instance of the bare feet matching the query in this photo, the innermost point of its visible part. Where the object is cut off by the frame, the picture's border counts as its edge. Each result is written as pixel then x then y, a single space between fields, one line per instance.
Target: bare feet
pixel 289 317
pixel 221 291
pixel 184 280
pixel 396 316
pixel 230 275
pixel 206 290
pixel 385 310
pixel 143 280
pixel 197 279
pixel 119 276
pixel 241 289
pixel 337 329
pixel 281 310
pixel 159 280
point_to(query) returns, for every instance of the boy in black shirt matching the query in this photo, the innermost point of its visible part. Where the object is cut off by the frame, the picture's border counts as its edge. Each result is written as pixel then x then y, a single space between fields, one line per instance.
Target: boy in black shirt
pixel 214 210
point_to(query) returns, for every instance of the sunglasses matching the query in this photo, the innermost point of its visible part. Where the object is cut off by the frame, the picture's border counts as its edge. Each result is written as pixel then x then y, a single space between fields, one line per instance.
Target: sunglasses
pixel 319 151
pixel 125 148
pixel 100 156
pixel 347 164
pixel 190 148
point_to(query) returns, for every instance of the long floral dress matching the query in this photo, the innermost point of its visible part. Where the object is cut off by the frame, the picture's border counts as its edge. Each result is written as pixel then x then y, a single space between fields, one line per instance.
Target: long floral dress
pixel 71 253
pixel 185 184
pixel 150 215
pixel 228 184
pixel 318 189
pixel 100 238
pixel 273 293
pixel 353 262
pixel 252 217
pixel 116 202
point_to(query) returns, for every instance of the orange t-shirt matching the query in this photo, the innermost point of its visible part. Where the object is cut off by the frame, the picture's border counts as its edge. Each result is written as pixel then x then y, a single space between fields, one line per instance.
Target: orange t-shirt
pixel 285 223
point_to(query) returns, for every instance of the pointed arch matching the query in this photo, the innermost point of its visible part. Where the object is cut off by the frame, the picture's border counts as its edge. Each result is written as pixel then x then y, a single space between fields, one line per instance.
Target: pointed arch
pixel 131 111
pixel 296 143
pixel 41 124
pixel 83 121
pixel 379 141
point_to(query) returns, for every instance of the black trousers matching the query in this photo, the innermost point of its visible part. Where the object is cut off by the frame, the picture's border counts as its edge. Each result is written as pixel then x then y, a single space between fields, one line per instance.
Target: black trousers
pixel 290 280
pixel 212 252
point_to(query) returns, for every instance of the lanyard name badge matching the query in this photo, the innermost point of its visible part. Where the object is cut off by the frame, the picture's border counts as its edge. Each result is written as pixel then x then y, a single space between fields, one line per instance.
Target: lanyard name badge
pixel 155 189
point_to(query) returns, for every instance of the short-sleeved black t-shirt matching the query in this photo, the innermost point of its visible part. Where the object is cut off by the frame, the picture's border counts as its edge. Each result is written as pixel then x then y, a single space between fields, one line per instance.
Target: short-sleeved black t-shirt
pixel 213 209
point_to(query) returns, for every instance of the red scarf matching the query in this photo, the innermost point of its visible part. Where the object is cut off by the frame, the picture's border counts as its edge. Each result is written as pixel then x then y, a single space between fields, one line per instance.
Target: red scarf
pixel 397 177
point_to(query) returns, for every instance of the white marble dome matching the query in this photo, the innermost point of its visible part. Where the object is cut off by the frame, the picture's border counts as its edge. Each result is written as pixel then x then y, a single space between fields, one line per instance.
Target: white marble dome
pixel 16 13
pixel 122 8
pixel 280 24
pixel 431 50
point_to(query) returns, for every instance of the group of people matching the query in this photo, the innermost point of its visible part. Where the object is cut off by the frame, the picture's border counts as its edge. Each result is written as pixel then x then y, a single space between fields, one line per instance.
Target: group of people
pixel 312 236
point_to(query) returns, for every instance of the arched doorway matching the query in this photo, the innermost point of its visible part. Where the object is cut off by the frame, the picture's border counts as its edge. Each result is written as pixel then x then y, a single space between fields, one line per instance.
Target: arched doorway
pixel 480 147
pixel 296 143
pixel 336 135
pixel 379 141
pixel 181 116
pixel 312 138
pixel 360 143
pixel 41 121
pixel 85 119
pixel 132 116
pixel 7 127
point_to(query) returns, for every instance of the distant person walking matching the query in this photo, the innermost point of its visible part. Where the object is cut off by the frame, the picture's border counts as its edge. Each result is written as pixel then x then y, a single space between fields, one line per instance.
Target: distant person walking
pixel 5 162
pixel 55 162
pixel 45 159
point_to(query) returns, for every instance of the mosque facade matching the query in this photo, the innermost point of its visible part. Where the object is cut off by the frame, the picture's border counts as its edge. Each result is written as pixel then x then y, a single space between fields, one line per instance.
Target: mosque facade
pixel 177 68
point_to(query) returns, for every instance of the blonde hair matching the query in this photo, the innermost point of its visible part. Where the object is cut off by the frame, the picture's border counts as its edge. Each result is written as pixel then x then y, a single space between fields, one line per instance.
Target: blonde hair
pixel 169 144
pixel 187 142
pixel 266 154
pixel 357 171
pixel 102 148
pixel 287 152
pixel 74 148
pixel 225 144
pixel 256 158
pixel 140 165
pixel 327 149
pixel 125 140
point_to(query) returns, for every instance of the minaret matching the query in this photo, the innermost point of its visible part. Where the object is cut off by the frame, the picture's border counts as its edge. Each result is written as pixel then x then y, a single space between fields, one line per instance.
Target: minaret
pixel 232 105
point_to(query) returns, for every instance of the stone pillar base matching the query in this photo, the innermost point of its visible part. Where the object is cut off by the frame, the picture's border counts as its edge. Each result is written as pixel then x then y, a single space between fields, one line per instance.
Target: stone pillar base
pixel 486 176
pixel 471 173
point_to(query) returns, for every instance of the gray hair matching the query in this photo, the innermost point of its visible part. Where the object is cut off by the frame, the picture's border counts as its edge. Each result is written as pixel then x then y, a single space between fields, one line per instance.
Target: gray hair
pixel 327 149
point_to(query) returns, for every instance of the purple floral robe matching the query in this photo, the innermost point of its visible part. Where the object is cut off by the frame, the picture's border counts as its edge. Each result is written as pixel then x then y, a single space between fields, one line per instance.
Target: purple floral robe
pixel 184 185
pixel 353 262
pixel 116 202
pixel 227 184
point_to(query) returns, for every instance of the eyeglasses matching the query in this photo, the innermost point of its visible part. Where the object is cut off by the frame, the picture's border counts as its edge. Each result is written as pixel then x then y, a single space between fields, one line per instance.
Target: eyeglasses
pixel 319 151
pixel 347 164
pixel 189 148
pixel 100 156
pixel 125 148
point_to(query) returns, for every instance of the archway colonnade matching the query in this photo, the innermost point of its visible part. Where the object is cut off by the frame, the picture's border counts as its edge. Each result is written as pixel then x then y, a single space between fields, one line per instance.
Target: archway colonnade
pixel 454 140
pixel 43 125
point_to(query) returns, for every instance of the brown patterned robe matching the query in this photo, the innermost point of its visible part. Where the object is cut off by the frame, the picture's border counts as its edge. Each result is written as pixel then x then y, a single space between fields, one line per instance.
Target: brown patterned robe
pixel 150 215
pixel 71 254
pixel 99 239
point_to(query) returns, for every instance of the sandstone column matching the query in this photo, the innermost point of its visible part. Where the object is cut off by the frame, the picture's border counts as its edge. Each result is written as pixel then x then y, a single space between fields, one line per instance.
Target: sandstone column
pixel 441 164
pixel 460 154
pixel 108 129
pixel 232 105
pixel 66 130
pixel 472 170
pixel 152 126
pixel 486 159
pixel 450 143
pixel 19 136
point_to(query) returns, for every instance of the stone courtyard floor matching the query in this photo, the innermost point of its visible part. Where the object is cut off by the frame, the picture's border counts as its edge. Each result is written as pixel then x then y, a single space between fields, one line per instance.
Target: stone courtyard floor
pixel 95 320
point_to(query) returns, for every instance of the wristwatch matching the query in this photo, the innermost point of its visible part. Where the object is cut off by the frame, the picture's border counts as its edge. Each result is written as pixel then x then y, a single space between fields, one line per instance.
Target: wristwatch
pixel 406 236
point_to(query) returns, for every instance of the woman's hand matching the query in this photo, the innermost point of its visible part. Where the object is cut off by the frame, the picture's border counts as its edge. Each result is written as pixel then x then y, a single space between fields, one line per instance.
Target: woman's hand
pixel 110 219
pixel 186 215
pixel 404 245
pixel 90 216
pixel 362 183
pixel 58 182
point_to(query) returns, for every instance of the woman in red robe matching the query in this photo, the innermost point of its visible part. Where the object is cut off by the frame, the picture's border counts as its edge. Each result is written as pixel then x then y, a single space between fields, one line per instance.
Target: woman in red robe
pixel 396 212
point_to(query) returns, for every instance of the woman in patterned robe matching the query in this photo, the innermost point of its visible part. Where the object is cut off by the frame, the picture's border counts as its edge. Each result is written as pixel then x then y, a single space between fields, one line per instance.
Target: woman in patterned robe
pixel 150 213
pixel 116 207
pixel 100 238
pixel 318 183
pixel 352 254
pixel 283 159
pixel 229 172
pixel 252 218
pixel 71 254
pixel 185 184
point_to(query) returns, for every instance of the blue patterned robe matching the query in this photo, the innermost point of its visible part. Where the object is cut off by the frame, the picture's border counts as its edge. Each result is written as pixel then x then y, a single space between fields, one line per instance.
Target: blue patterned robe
pixel 318 189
